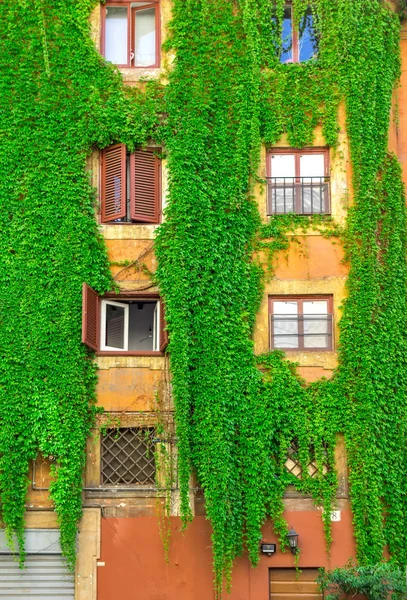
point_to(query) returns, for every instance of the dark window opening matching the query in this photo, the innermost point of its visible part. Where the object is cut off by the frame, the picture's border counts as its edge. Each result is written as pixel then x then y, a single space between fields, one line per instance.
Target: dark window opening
pixel 130 326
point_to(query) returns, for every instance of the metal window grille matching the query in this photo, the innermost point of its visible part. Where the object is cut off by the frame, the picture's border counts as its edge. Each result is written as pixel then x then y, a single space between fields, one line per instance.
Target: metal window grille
pixel 301 195
pixel 293 466
pixel 128 456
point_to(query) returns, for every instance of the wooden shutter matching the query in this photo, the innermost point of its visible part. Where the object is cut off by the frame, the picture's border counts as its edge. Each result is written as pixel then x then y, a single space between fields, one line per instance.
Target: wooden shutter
pixel 113 183
pixel 90 317
pixel 163 331
pixel 144 186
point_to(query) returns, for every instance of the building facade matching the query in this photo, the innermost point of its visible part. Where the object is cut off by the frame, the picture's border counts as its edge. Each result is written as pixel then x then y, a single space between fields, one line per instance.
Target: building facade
pixel 131 499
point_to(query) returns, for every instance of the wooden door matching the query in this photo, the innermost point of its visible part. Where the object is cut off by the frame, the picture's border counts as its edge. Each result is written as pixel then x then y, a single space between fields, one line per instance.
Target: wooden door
pixel 286 584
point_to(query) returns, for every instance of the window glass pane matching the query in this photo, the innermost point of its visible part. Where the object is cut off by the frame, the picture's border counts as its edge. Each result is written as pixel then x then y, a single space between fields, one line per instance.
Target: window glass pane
pixel 145 38
pixel 315 307
pixel 312 171
pixel 316 322
pixel 282 183
pixel 312 165
pixel 116 35
pixel 282 198
pixel 285 324
pixel 313 196
pixel 287 37
pixel 307 40
pixel 141 326
pixel 283 165
pixel 114 326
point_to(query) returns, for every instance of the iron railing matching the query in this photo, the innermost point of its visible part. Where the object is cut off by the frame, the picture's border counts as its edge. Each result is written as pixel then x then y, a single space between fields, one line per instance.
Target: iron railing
pixel 301 195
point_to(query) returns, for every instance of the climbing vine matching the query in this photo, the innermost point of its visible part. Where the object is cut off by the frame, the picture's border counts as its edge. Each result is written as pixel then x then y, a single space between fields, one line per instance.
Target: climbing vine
pixel 228 91
pixel 58 100
pixel 235 413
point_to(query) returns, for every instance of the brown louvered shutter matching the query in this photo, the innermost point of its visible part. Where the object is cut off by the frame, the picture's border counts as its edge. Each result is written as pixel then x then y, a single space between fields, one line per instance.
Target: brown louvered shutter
pixel 163 331
pixel 90 317
pixel 144 186
pixel 113 183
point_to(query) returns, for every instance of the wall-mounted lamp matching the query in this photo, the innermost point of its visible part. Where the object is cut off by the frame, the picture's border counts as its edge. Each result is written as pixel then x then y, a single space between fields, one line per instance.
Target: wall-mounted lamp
pixel 292 536
pixel 268 549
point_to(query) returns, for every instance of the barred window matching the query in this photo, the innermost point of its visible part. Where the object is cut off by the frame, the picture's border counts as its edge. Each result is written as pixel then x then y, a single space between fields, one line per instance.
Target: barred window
pixel 298 181
pixel 293 466
pixel 128 456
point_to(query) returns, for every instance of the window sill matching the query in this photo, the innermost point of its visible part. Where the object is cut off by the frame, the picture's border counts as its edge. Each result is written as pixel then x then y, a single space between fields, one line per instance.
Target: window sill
pixel 304 350
pixel 128 231
pixel 134 74
pixel 128 353
pixel 131 491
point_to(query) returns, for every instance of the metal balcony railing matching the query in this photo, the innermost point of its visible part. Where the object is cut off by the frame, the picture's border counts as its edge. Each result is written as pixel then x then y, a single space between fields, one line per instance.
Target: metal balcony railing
pixel 301 195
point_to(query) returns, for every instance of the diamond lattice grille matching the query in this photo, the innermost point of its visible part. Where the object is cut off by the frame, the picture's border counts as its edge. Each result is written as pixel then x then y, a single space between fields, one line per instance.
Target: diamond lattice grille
pixel 127 456
pixel 292 464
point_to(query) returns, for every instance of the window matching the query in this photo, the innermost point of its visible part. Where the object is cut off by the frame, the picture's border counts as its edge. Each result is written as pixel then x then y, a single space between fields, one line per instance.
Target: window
pixel 301 323
pixel 130 185
pixel 130 33
pixel 297 45
pixel 298 181
pixel 128 456
pixel 134 324
pixel 293 464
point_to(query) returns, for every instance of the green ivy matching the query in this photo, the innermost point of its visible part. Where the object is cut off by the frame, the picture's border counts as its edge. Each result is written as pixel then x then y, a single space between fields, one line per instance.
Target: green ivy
pixel 58 101
pixel 228 91
pixel 235 413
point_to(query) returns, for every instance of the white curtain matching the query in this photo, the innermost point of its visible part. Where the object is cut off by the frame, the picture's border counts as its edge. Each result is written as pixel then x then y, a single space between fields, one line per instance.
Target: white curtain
pixel 285 324
pixel 145 38
pixel 282 191
pixel 116 35
pixel 316 322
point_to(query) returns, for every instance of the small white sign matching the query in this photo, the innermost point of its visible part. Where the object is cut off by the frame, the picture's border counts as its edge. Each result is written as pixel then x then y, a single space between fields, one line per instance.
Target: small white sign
pixel 335 515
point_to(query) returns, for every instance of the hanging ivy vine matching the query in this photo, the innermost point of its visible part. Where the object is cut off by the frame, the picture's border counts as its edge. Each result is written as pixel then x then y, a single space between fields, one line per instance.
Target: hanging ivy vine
pixel 235 414
pixel 58 100
pixel 228 91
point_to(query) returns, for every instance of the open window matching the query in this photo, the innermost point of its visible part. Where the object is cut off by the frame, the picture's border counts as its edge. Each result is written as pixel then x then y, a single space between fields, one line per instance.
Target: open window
pixel 299 43
pixel 134 324
pixel 131 33
pixel 130 185
pixel 298 181
pixel 301 323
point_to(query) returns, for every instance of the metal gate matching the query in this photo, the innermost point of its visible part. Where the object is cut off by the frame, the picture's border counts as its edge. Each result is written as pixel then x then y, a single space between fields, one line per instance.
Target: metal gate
pixel 45 574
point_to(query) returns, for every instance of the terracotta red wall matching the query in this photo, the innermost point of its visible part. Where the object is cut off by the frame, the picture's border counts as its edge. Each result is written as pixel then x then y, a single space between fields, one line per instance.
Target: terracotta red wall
pixel 135 569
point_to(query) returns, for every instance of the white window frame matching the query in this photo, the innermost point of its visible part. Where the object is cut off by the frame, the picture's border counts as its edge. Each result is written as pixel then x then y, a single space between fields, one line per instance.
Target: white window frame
pixel 124 305
pixel 156 327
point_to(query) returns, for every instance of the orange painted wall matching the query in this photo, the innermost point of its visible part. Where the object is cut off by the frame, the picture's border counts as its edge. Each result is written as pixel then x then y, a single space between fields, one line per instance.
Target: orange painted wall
pixel 135 569
pixel 128 389
pixel 311 257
